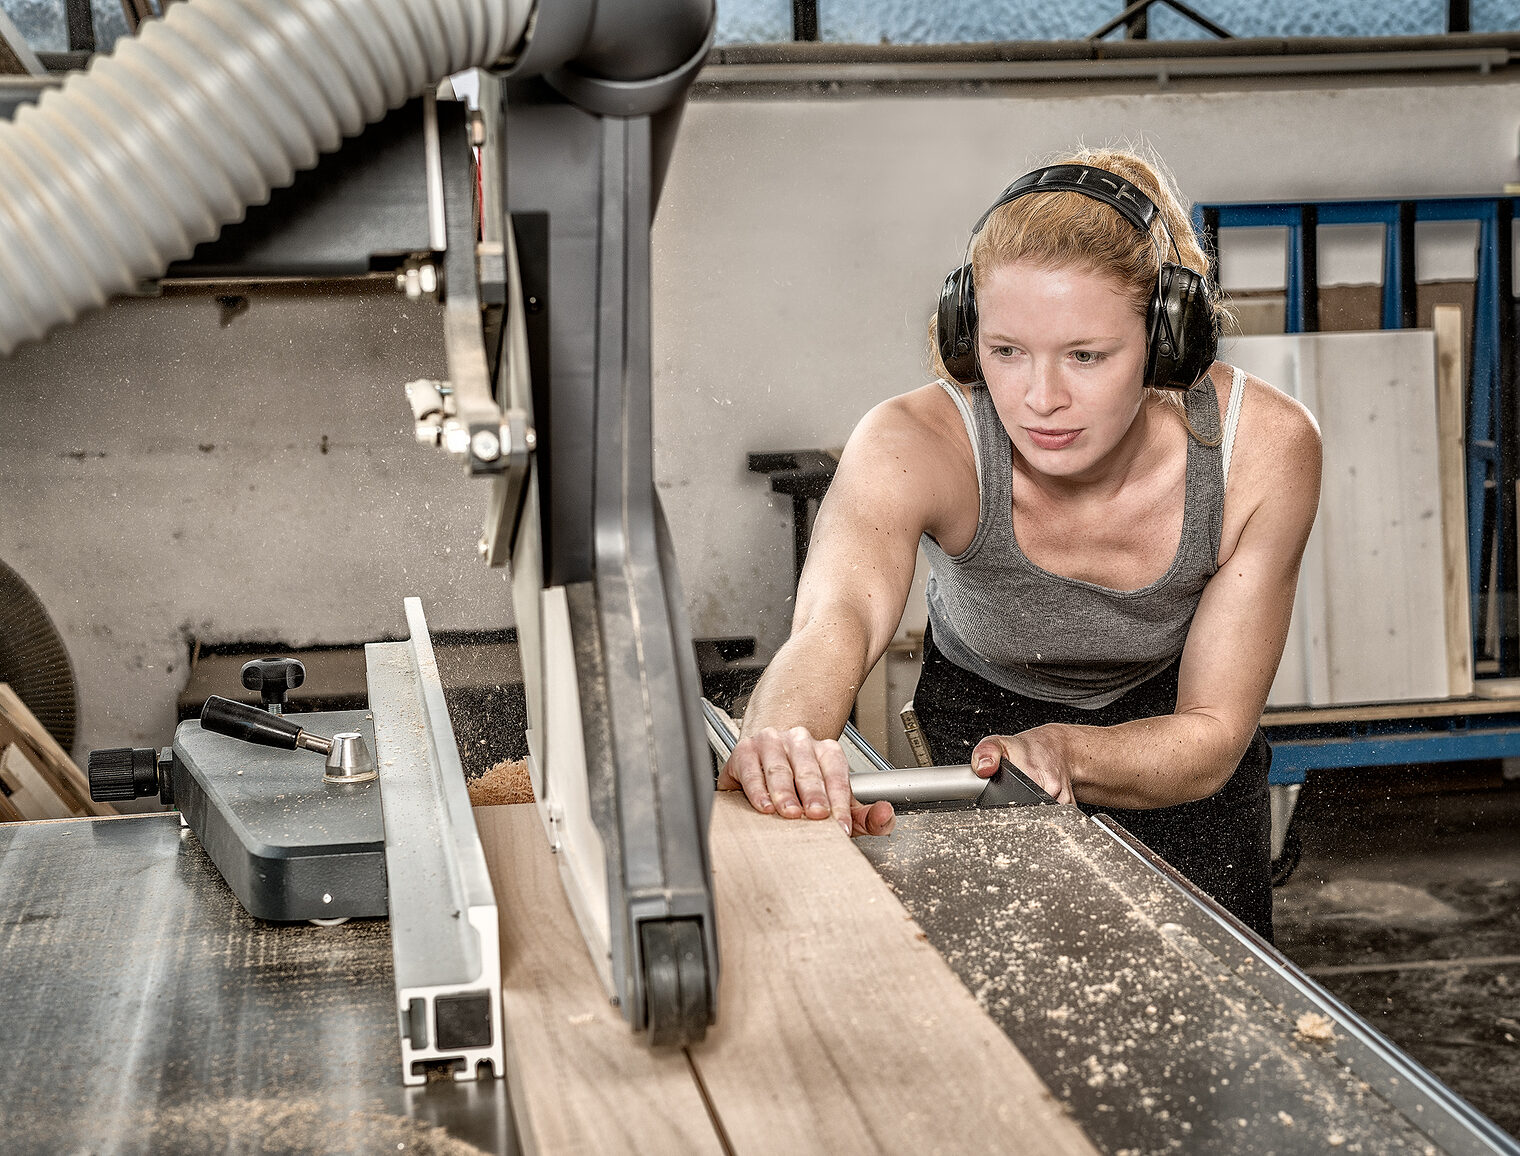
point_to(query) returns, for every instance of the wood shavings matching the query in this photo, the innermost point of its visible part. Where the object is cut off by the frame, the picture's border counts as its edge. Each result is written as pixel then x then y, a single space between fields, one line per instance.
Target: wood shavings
pixel 507 782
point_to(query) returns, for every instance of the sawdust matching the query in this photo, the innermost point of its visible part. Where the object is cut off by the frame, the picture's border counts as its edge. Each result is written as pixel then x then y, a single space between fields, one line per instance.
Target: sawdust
pixel 294 1125
pixel 1313 1026
pixel 1138 1027
pixel 507 782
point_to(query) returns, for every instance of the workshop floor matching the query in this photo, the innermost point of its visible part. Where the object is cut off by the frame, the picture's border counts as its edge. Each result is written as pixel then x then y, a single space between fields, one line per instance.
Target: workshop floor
pixel 1406 906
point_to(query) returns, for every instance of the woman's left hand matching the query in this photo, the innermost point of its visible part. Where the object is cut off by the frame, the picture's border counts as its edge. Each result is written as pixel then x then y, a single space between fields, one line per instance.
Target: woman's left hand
pixel 1040 753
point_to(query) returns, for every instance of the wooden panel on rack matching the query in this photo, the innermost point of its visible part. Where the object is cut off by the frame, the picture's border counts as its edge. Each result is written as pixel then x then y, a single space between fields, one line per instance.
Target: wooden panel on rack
pixel 1451 393
pixel 18 725
pixel 1370 616
pixel 579 1080
pixel 840 1029
pixel 1507 703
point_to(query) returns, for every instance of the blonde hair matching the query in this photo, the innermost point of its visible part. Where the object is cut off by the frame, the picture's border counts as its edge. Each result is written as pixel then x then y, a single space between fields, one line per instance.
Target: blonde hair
pixel 1059 230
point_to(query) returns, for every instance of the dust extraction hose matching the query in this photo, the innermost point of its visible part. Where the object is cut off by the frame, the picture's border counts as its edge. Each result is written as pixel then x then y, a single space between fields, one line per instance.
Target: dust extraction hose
pixel 131 164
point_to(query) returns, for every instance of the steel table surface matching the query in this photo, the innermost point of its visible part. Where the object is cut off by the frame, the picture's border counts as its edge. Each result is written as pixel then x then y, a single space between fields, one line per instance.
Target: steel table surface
pixel 147 1012
pixel 1156 1025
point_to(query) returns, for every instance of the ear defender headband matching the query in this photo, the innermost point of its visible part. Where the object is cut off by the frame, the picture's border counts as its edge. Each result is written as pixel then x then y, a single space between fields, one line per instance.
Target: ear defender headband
pixel 1179 325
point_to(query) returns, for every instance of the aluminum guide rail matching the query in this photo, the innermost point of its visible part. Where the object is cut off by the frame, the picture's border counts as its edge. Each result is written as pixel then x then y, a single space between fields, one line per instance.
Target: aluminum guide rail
pixel 442 909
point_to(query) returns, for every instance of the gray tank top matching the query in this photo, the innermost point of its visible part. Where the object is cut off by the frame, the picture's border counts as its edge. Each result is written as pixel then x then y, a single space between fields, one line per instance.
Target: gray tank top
pixel 995 613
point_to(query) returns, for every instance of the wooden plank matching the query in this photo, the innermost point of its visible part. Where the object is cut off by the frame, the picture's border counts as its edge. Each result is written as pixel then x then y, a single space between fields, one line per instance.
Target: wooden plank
pixel 1381 712
pixel 1451 383
pixel 18 725
pixel 1372 590
pixel 31 795
pixel 579 1080
pixel 839 1028
pixel 8 812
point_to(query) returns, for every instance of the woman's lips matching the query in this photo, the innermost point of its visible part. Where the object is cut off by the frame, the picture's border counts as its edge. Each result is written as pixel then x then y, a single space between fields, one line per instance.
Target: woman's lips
pixel 1052 439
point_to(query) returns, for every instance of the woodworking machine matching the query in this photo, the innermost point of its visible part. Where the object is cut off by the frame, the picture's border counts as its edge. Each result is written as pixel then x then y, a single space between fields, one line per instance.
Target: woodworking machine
pixel 165 979
pixel 528 219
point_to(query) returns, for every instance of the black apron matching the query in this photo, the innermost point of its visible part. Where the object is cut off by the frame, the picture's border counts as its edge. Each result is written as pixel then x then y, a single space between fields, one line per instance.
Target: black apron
pixel 1223 843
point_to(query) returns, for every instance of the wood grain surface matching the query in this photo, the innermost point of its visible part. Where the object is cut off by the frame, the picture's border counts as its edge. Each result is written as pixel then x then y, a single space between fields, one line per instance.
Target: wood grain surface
pixel 19 726
pixel 579 1080
pixel 1451 393
pixel 840 1029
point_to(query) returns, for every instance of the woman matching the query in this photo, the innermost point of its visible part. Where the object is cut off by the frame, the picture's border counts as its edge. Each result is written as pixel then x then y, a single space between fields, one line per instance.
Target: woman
pixel 1112 569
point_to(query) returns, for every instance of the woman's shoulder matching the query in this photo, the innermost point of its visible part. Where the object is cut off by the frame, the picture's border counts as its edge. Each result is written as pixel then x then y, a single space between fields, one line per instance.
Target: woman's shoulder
pixel 913 451
pixel 1275 461
pixel 1274 426
pixel 926 419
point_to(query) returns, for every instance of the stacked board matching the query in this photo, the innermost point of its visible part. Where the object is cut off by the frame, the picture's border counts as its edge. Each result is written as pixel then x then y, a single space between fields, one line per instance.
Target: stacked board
pixel 1381 609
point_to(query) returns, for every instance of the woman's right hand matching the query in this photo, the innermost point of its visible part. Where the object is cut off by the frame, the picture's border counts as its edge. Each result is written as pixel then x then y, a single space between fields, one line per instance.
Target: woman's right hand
pixel 792 774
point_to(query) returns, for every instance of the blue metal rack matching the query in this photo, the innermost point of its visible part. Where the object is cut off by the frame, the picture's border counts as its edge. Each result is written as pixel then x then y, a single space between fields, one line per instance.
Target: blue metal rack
pixel 1493 433
pixel 1493 454
pixel 1300 748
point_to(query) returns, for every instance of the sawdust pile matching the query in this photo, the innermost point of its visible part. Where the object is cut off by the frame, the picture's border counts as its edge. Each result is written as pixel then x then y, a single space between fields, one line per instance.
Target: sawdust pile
pixel 506 782
pixel 1313 1026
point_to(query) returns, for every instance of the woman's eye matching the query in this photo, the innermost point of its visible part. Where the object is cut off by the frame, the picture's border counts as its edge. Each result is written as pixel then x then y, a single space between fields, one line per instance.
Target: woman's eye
pixel 1002 351
pixel 1086 356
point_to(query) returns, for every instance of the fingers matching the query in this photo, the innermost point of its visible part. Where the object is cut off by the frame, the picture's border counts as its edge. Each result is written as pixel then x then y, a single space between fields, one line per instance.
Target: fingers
pixel 988 753
pixel 745 772
pixel 836 782
pixel 1052 782
pixel 806 779
pixel 877 819
pixel 1028 757
pixel 791 774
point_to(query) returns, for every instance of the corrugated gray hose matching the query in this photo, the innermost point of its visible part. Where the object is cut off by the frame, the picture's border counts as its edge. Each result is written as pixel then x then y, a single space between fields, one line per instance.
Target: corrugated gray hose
pixel 133 163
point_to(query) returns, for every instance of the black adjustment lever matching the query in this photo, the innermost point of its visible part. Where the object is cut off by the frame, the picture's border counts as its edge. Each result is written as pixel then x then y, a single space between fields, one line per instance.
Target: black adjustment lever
pixel 348 759
pixel 273 678
pixel 253 725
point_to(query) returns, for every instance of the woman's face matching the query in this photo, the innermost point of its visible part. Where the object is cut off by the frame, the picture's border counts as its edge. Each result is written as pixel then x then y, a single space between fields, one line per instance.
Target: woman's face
pixel 1063 354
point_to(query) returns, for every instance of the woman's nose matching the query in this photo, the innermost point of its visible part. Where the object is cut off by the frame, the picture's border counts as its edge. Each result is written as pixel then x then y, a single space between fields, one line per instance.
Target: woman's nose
pixel 1046 393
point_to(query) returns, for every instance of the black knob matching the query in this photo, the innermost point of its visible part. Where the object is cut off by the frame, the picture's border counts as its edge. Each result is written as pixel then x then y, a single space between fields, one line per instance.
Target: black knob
pixel 119 773
pixel 248 723
pixel 273 678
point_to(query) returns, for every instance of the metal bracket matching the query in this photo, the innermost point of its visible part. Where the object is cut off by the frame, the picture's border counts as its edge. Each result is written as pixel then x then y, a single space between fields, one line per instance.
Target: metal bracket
pixel 442 908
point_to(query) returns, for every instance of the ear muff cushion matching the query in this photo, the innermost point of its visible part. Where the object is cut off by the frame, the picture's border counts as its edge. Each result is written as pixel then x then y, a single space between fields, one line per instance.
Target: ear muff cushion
pixel 1182 336
pixel 955 327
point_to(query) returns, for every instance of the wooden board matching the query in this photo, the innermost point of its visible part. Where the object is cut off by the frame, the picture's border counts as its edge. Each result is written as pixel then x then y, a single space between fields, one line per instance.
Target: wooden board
pixel 30 795
pixel 579 1081
pixel 1451 392
pixel 835 1009
pixel 839 1028
pixel 1370 616
pixel 19 726
pixel 1382 712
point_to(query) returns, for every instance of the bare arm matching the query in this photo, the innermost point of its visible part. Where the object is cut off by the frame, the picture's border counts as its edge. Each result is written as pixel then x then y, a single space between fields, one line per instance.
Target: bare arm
pixel 1234 645
pixel 890 487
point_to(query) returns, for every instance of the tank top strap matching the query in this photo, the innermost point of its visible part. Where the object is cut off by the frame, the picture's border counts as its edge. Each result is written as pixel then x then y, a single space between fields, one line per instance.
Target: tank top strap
pixel 994 461
pixel 1203 519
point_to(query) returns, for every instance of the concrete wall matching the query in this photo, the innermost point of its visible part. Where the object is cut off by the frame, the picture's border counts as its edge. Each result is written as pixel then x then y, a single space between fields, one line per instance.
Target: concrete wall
pixel 163 476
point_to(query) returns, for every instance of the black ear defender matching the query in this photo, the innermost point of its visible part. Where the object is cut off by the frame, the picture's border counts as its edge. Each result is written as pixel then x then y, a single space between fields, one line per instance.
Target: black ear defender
pixel 1181 331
